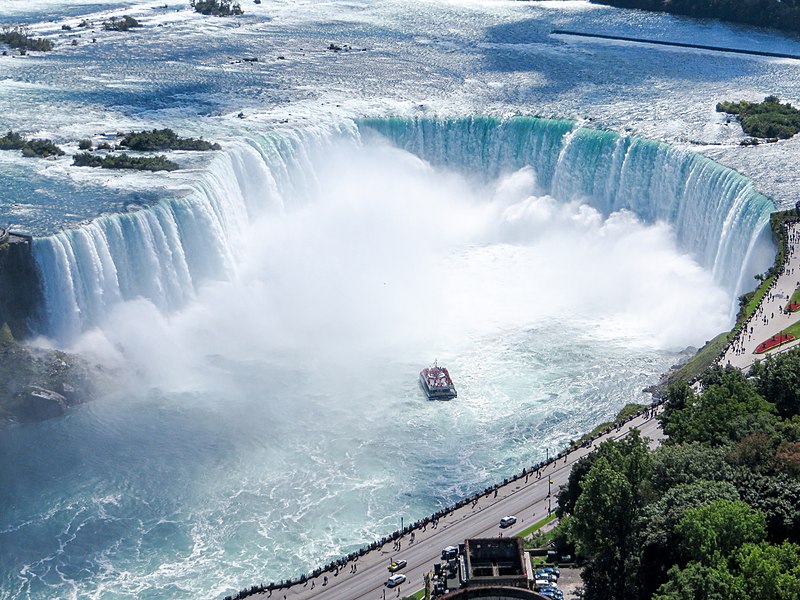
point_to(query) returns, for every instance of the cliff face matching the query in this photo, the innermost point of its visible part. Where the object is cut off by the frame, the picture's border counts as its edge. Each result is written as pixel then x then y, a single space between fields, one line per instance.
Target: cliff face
pixel 20 288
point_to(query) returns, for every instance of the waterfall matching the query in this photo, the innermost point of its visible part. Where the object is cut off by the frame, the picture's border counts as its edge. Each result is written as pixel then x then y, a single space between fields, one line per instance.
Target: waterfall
pixel 164 252
pixel 716 213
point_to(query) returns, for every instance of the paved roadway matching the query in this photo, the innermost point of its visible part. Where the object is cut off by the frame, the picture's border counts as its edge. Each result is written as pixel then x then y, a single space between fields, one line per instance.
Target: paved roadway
pixel 527 500
pixel 769 319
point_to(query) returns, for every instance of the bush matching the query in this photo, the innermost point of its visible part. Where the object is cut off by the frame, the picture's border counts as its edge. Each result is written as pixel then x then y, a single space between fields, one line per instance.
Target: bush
pixel 121 24
pixel 217 8
pixel 85 144
pixel 18 37
pixel 124 161
pixel 164 139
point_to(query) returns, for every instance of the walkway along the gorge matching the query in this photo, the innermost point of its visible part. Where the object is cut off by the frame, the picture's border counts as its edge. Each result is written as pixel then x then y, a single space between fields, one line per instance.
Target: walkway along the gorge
pixel 525 496
pixel 769 318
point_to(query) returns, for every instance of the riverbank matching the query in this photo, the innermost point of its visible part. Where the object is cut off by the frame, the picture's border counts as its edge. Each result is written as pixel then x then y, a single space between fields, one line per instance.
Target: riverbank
pixel 38 384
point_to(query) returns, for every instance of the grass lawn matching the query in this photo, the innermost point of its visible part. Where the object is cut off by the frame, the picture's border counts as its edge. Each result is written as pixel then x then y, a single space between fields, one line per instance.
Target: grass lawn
pixel 795 299
pixel 622 416
pixel 535 527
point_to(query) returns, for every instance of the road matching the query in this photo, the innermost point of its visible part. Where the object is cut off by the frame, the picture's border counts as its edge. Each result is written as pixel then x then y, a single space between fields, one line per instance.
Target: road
pixel 527 500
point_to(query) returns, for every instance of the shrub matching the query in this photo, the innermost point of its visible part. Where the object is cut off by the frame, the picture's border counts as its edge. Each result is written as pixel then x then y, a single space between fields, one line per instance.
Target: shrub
pixel 85 144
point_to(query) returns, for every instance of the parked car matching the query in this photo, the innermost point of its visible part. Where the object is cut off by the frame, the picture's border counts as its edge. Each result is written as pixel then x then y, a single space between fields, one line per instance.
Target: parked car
pixel 508 521
pixel 397 565
pixel 449 552
pixel 395 580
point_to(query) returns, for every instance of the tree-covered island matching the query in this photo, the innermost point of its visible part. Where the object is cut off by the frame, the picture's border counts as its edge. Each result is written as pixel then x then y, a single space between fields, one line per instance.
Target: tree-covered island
pixel 124 161
pixel 217 8
pixel 20 39
pixel 164 139
pixel 30 148
pixel 768 119
pixel 124 23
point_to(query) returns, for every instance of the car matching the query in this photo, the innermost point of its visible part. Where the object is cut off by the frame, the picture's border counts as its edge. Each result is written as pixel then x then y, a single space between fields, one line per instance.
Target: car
pixel 508 521
pixel 395 580
pixel 397 565
pixel 541 574
pixel 449 552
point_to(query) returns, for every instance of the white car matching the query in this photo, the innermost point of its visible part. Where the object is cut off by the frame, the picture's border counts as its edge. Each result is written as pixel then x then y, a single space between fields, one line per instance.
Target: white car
pixel 395 580
pixel 508 521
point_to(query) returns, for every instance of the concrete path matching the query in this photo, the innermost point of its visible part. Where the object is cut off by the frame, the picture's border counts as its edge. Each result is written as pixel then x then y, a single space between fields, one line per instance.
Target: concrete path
pixel 769 319
pixel 527 499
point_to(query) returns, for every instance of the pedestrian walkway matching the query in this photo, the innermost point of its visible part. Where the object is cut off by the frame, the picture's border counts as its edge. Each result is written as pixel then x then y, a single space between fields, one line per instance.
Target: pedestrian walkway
pixel 769 318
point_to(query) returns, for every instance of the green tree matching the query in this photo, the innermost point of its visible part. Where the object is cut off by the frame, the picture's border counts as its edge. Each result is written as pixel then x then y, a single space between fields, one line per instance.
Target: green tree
pixel 778 380
pixel 702 582
pixel 771 571
pixel 777 496
pixel 729 409
pixel 686 463
pixel 604 523
pixel 659 544
pixel 719 529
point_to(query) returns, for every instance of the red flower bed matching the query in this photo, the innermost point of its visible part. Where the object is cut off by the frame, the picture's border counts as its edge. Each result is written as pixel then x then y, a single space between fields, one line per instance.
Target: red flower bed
pixel 793 307
pixel 774 341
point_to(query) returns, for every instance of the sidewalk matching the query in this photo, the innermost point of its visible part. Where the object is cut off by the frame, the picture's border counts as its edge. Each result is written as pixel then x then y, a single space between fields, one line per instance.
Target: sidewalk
pixel 769 318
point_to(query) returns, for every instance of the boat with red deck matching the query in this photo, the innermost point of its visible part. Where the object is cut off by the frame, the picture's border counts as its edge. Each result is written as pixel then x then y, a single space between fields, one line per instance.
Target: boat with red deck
pixel 437 383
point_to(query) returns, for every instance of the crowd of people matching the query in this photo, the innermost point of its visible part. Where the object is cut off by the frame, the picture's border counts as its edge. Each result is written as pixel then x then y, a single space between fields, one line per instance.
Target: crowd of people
pixel 773 303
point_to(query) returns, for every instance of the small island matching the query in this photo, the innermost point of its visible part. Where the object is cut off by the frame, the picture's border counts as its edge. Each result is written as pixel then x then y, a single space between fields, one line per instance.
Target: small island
pixel 164 139
pixel 217 8
pixel 124 23
pixel 124 161
pixel 768 119
pixel 19 38
pixel 30 148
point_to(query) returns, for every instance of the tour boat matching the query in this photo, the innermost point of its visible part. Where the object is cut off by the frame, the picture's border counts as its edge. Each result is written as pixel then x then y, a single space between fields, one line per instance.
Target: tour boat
pixel 437 384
